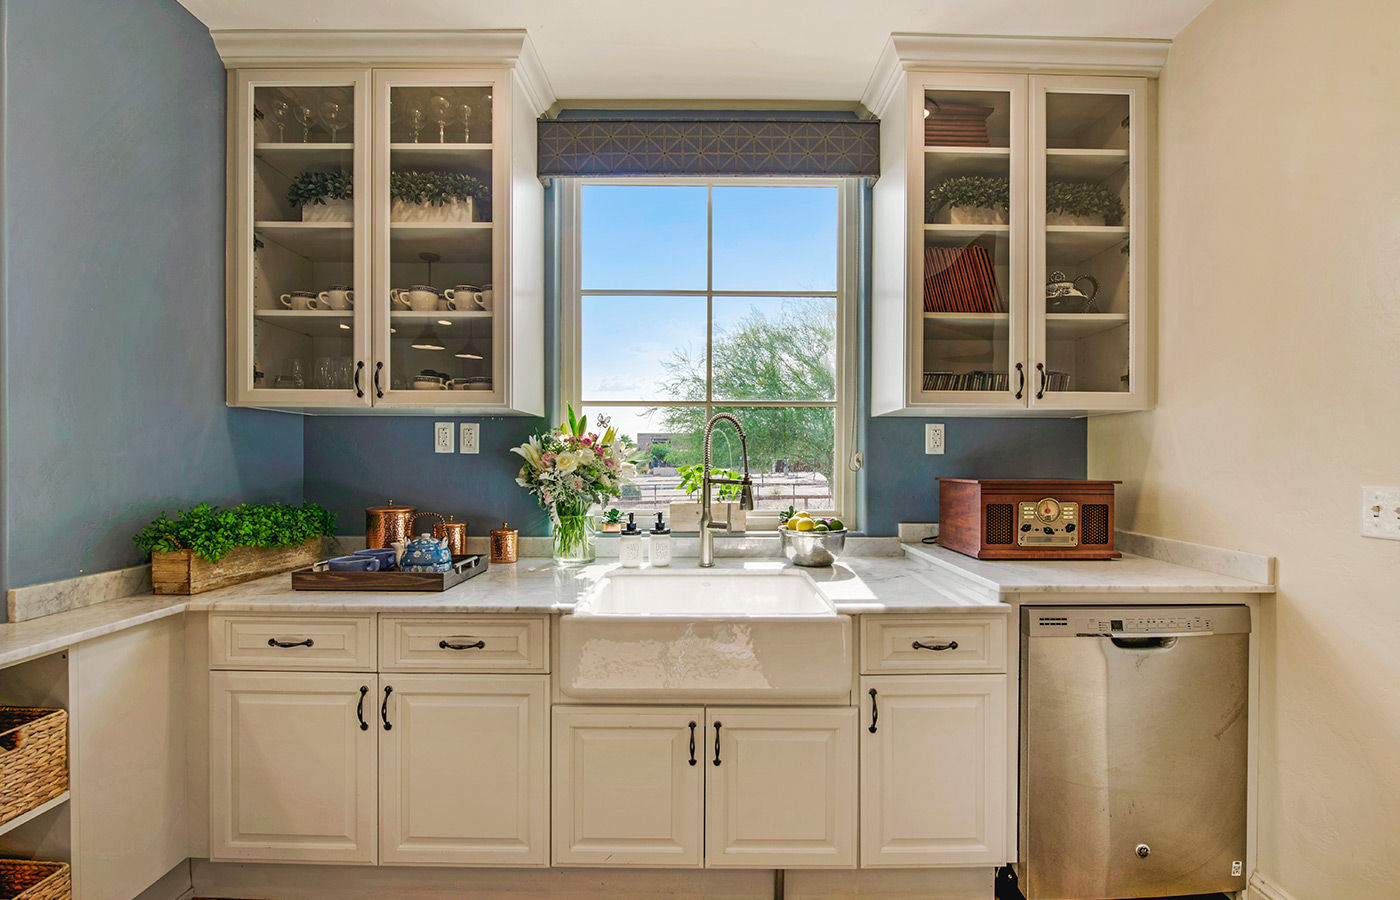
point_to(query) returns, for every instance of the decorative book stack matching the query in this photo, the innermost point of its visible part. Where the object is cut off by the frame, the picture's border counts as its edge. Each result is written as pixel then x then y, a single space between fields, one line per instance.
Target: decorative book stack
pixel 960 279
pixel 955 126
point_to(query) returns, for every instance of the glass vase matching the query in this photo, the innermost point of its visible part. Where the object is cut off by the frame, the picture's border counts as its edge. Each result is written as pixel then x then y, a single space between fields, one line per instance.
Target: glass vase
pixel 575 540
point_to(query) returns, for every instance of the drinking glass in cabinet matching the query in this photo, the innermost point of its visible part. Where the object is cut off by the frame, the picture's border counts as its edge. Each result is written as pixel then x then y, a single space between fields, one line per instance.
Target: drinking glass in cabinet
pixel 1087 260
pixel 967 241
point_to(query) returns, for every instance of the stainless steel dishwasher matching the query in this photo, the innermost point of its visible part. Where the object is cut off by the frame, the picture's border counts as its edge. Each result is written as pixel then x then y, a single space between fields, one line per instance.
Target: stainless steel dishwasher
pixel 1133 751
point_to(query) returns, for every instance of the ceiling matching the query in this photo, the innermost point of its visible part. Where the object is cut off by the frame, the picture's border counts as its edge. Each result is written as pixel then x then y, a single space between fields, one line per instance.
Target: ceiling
pixel 720 49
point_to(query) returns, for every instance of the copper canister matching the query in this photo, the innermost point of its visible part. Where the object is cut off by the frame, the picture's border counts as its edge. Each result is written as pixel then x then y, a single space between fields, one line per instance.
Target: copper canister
pixel 386 524
pixel 456 534
pixel 505 544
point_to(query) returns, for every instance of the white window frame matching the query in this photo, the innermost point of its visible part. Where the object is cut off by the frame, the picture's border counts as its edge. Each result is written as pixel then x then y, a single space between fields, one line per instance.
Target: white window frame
pixel 844 404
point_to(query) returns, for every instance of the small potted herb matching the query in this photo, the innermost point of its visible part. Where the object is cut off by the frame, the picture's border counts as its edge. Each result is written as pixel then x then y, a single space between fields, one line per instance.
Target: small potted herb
pixel 206 547
pixel 612 521
pixel 969 200
pixel 322 196
pixel 685 514
pixel 438 197
pixel 1081 203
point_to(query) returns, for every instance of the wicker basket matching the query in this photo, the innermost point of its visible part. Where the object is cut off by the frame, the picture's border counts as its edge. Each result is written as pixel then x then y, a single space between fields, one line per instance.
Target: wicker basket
pixel 23 879
pixel 33 759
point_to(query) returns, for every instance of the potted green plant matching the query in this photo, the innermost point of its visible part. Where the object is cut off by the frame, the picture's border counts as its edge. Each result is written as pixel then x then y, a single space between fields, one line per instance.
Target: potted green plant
pixel 1081 203
pixel 206 547
pixel 323 196
pixel 685 514
pixel 969 200
pixel 438 197
pixel 612 521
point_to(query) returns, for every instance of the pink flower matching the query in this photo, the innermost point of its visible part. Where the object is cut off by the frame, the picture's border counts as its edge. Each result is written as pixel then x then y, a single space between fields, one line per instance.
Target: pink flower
pixel 578 483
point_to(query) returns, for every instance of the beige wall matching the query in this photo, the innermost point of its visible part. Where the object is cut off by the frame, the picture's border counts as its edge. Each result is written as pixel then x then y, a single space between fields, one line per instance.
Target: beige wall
pixel 1280 396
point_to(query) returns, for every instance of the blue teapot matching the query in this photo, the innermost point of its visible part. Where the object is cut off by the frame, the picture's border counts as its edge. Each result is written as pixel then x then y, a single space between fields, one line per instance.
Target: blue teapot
pixel 424 553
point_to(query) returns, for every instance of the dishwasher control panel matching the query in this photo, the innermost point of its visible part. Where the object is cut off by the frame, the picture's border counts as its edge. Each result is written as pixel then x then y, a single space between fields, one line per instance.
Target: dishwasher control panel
pixel 1109 621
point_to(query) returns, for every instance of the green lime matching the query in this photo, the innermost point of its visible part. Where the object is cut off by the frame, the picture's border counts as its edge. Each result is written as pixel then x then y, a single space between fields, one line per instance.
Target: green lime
pixel 834 524
pixel 821 526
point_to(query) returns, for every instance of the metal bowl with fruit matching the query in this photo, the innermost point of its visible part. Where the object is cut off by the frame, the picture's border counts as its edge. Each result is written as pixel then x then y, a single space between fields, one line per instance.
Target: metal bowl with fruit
pixel 813 542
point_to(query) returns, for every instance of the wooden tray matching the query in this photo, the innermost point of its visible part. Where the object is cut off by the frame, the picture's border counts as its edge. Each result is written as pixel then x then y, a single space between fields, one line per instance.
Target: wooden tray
pixel 320 578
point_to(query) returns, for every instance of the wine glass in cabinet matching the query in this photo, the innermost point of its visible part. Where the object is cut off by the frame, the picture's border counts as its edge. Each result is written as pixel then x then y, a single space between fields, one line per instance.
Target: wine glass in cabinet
pixel 298 326
pixel 437 251
pixel 1089 226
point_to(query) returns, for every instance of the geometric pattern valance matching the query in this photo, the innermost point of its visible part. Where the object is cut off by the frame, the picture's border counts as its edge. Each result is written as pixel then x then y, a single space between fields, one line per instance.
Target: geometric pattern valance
pixel 709 147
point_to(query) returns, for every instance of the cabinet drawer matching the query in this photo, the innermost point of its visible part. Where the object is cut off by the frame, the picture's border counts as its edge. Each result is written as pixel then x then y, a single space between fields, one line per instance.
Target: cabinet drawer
pixel 464 643
pixel 324 643
pixel 888 644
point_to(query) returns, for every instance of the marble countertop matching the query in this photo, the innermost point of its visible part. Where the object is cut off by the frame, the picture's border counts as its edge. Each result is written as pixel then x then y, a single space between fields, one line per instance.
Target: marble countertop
pixel 927 579
pixel 1131 574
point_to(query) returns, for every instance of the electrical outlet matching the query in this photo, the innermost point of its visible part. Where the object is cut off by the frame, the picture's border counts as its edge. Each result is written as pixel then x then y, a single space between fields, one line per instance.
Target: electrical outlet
pixel 471 437
pixel 1237 867
pixel 1380 512
pixel 443 437
pixel 933 437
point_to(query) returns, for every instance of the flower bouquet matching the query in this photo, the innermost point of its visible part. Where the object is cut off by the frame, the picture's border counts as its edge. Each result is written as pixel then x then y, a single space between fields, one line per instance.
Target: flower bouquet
pixel 570 470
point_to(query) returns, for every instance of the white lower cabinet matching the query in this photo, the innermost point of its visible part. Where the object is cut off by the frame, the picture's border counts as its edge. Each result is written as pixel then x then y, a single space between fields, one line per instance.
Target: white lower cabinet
pixel 628 786
pixel 292 772
pixel 933 770
pixel 780 790
pixel 463 772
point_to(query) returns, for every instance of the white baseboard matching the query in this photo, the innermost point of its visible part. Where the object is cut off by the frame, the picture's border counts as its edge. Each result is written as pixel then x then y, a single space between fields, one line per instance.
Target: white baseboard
pixel 1261 888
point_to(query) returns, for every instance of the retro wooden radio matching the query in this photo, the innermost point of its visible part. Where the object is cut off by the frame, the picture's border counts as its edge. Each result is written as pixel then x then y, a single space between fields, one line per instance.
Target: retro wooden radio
pixel 1026 519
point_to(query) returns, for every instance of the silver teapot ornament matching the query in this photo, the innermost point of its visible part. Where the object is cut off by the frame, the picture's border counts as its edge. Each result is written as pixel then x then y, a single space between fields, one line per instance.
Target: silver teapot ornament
pixel 1062 294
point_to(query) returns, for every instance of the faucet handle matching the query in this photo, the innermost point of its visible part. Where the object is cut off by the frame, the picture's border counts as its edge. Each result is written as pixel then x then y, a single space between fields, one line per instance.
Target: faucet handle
pixel 746 494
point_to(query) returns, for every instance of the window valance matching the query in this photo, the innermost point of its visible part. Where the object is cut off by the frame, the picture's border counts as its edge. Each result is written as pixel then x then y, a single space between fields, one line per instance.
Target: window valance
pixel 709 147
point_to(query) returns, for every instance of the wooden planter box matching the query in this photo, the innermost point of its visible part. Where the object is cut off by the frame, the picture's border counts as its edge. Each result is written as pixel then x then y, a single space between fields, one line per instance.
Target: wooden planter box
pixel 181 572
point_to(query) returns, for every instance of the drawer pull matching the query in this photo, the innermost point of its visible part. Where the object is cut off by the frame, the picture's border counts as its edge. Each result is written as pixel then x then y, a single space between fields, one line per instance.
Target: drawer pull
pixel 874 711
pixel 360 708
pixel 273 642
pixel 479 645
pixel 951 645
pixel 717 724
pixel 384 708
pixel 692 743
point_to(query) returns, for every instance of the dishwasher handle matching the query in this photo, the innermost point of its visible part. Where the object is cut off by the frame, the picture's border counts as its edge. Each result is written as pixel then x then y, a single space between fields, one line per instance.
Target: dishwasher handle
pixel 1144 641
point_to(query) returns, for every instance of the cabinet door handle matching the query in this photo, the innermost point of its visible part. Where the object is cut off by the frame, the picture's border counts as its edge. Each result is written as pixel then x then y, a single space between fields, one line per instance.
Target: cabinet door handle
pixel 273 642
pixel 384 708
pixel 874 710
pixel 692 743
pixel 1040 393
pixel 951 645
pixel 1020 381
pixel 717 743
pixel 444 645
pixel 359 366
pixel 360 708
pixel 378 391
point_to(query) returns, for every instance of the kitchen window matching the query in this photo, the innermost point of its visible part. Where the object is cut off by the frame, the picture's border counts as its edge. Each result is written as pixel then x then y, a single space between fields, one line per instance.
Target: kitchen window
pixel 687 297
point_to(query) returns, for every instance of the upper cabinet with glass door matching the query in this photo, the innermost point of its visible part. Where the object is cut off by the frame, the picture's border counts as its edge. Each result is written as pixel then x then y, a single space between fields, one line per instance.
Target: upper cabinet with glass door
pixel 387 249
pixel 1003 275
pixel 299 236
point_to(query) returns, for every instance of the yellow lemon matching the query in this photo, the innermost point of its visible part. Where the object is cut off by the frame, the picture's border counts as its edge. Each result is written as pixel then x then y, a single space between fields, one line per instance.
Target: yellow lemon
pixel 804 525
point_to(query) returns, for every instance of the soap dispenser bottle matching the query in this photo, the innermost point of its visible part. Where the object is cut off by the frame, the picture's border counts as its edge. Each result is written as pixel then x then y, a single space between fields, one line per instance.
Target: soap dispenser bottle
pixel 629 549
pixel 660 543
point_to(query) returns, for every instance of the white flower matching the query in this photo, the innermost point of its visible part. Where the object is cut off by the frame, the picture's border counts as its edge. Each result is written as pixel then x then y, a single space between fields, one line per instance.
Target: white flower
pixel 586 457
pixel 531 451
pixel 566 462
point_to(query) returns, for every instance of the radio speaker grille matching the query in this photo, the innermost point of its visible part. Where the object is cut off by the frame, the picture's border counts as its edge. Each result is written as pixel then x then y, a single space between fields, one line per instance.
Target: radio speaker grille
pixel 1000 523
pixel 1093 524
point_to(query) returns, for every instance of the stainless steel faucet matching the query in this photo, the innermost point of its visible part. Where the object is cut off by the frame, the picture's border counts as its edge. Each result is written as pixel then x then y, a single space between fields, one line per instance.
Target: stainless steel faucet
pixel 708 526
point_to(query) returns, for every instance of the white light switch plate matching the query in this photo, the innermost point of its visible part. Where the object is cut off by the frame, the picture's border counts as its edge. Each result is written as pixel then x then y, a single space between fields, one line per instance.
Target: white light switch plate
pixel 444 439
pixel 933 437
pixel 471 437
pixel 1380 512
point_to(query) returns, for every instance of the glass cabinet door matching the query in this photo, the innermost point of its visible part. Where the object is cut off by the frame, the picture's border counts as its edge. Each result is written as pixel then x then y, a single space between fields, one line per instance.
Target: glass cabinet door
pixel 436 249
pixel 299 327
pixel 970 133
pixel 1087 186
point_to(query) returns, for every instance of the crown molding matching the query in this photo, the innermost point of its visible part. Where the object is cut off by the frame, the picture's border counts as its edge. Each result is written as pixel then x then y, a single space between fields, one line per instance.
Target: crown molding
pixel 505 48
pixel 963 52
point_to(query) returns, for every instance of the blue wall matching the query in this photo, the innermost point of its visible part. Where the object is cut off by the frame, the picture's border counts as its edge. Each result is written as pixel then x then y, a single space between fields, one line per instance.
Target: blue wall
pixel 113 289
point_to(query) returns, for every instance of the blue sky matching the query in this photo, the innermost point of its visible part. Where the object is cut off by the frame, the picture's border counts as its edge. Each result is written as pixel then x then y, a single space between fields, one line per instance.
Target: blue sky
pixel 649 237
